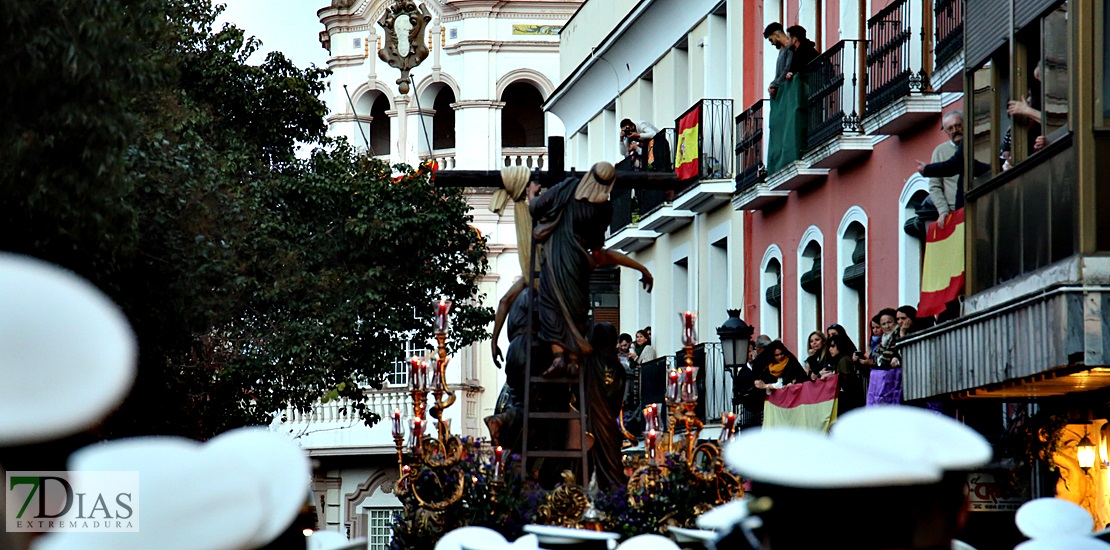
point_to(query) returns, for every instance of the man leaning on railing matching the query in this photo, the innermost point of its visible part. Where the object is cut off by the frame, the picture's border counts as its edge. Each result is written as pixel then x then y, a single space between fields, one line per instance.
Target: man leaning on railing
pixel 777 37
pixel 788 122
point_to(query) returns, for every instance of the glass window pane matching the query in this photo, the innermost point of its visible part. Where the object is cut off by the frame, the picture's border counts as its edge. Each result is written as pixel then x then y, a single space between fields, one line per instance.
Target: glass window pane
pixel 983 242
pixel 1008 234
pixel 1054 71
pixel 1034 222
pixel 981 130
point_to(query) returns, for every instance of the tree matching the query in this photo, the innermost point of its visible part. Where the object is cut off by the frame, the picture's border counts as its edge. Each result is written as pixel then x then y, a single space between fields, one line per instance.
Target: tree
pixel 145 154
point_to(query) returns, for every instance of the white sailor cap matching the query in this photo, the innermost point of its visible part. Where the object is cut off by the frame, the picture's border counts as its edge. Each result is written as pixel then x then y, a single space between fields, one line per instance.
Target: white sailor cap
pixel 648 542
pixel 725 516
pixel 240 490
pixel 913 434
pixel 184 501
pixel 282 469
pixel 331 540
pixel 67 354
pixel 1066 542
pixel 784 456
pixel 1053 517
pixel 457 539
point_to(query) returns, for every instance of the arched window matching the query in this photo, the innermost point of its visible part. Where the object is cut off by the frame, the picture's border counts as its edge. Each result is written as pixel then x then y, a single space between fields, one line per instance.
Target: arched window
pixel 522 116
pixel 810 287
pixel 443 123
pixel 914 215
pixel 380 127
pixel 851 262
pixel 770 293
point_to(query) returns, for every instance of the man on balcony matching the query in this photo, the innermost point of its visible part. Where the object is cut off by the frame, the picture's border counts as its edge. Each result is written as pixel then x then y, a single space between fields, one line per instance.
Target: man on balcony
pixel 805 51
pixel 777 37
pixel 943 190
pixel 789 121
pixel 636 140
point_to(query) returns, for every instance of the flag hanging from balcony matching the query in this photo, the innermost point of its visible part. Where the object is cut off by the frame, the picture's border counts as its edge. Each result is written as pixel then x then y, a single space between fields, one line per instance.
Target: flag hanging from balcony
pixel 942 274
pixel 686 148
pixel 809 405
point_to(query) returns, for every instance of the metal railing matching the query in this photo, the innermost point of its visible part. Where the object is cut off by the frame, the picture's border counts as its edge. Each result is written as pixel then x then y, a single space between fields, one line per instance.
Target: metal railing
pixel 750 168
pixel 621 199
pixel 715 151
pixel 834 93
pixel 949 18
pixel 890 63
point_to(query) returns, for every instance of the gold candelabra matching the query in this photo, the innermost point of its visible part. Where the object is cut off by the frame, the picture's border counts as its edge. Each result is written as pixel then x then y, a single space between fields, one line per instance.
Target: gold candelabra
pixel 702 460
pixel 438 456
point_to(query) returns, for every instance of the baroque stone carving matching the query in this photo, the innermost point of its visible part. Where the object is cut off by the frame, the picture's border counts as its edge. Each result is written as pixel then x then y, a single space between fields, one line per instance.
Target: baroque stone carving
pixel 404 48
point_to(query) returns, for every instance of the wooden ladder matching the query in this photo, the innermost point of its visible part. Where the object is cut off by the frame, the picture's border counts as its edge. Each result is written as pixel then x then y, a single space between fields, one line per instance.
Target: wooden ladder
pixel 534 383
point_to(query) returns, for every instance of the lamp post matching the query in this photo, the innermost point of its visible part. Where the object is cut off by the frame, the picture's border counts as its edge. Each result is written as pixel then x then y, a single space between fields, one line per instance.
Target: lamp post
pixel 1085 453
pixel 735 336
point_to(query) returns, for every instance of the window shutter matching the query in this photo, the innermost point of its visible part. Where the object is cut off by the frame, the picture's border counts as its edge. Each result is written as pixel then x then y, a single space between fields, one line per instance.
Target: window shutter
pixel 986 28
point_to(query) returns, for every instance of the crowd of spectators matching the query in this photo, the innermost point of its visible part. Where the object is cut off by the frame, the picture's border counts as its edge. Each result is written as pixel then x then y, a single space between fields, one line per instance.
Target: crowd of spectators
pixel 868 375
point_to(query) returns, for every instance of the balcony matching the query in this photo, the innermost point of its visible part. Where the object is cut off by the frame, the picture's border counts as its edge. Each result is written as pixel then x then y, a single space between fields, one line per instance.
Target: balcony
pixel 897 71
pixel 948 51
pixel 1046 343
pixel 834 106
pixel 752 192
pixel 445 158
pixel 712 185
pixel 333 428
pixel 532 157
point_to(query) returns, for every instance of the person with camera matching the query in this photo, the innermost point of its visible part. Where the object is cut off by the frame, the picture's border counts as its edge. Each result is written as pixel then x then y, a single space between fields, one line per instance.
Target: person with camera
pixel 635 142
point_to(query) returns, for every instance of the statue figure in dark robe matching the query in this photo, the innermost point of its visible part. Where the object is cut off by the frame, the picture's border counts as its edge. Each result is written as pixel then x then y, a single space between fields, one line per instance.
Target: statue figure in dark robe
pixel 571 220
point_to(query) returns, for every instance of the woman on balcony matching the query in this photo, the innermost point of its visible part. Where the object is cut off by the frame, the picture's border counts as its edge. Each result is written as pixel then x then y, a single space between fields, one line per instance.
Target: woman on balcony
pixel 886 372
pixel 818 354
pixel 850 387
pixel 783 370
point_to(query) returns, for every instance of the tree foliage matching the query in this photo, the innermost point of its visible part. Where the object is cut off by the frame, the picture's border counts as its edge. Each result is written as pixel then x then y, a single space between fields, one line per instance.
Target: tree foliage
pixel 143 152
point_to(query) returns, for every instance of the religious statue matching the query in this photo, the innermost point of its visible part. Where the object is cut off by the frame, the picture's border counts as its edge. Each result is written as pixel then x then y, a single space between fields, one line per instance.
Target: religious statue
pixel 571 220
pixel 404 47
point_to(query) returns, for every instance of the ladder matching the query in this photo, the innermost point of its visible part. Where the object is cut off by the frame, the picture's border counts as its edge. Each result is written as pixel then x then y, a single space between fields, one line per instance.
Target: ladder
pixel 538 383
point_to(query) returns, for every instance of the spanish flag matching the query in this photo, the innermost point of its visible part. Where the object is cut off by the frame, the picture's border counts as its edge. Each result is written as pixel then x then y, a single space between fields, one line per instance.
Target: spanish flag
pixel 686 150
pixel 807 405
pixel 942 275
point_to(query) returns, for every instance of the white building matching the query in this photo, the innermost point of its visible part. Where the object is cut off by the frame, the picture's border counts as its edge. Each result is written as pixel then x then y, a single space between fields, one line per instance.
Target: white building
pixel 653 61
pixel 475 105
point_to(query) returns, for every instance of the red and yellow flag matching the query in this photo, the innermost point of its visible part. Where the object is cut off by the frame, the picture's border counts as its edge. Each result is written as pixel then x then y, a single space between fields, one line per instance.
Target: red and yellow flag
pixel 942 275
pixel 807 405
pixel 686 148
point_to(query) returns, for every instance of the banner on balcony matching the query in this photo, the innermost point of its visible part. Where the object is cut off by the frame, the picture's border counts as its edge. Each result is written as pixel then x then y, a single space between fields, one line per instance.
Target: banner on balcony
pixel 686 148
pixel 809 405
pixel 942 274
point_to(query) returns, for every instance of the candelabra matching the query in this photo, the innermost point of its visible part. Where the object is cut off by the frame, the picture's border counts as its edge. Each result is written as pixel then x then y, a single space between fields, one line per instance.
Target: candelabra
pixel 439 456
pixel 702 460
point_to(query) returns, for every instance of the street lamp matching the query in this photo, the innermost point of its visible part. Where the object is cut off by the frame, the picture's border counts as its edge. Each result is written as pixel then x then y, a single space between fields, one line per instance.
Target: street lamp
pixel 1085 453
pixel 735 336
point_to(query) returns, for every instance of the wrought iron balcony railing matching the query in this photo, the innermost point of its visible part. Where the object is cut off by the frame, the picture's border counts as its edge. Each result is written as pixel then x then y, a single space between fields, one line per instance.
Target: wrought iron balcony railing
pixel 750 167
pixel 949 18
pixel 834 92
pixel 894 55
pixel 714 135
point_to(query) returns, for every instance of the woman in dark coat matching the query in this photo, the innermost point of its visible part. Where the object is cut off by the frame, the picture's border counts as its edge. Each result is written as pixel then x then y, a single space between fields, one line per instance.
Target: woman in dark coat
pixel 783 369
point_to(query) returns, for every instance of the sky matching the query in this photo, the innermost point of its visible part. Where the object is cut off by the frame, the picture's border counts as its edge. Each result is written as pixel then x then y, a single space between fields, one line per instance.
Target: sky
pixel 288 26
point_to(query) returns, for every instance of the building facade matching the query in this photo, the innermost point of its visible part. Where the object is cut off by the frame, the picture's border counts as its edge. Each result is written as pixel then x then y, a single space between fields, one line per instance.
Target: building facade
pixel 1029 354
pixel 829 236
pixel 474 104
